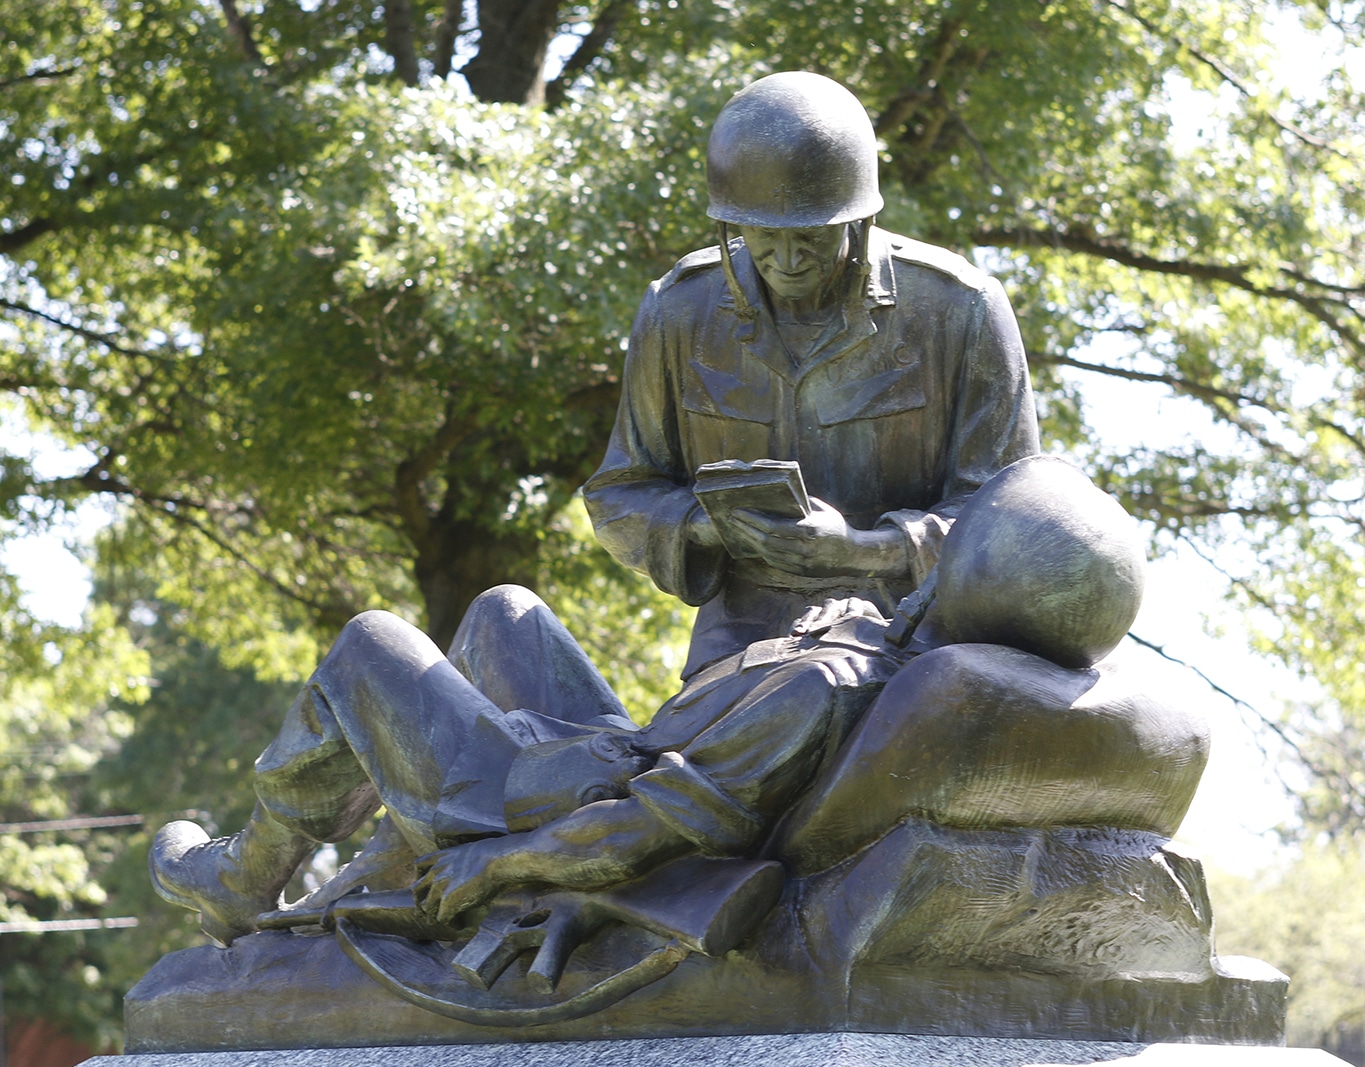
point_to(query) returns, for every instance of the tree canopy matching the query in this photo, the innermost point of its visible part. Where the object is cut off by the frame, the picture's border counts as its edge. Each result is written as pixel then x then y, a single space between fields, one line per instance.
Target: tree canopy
pixel 331 296
pixel 1309 918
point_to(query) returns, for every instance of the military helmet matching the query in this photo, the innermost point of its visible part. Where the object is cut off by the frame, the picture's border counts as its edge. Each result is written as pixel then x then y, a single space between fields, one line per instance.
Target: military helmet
pixel 792 149
pixel 1040 559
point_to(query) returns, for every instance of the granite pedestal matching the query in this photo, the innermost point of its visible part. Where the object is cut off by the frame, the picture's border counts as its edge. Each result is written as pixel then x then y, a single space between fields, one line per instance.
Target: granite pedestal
pixel 780 1050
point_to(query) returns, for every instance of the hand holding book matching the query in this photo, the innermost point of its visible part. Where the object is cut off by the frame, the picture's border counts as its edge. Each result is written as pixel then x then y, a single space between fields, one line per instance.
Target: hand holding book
pixel 771 486
pixel 761 510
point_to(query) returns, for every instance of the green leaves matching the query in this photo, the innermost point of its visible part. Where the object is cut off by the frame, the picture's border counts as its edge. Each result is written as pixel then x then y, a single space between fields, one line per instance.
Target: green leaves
pixel 333 343
pixel 1308 921
pixel 65 702
pixel 317 331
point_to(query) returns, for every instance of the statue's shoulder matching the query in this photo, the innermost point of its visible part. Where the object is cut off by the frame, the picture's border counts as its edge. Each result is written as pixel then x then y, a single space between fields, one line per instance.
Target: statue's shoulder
pixel 906 250
pixel 691 266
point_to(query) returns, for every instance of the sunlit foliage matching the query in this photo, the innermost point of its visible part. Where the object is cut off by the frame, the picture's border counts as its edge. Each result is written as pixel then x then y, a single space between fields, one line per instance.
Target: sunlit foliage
pixel 335 328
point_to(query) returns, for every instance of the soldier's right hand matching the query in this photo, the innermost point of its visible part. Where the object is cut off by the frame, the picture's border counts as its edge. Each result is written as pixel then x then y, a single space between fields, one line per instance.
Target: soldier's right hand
pixel 456 879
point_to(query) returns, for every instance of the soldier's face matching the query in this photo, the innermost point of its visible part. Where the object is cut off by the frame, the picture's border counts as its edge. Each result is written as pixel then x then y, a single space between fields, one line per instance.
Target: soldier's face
pixel 797 262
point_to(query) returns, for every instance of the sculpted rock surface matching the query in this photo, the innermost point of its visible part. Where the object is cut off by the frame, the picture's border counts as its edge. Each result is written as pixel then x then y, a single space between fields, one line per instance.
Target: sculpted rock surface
pixel 1061 934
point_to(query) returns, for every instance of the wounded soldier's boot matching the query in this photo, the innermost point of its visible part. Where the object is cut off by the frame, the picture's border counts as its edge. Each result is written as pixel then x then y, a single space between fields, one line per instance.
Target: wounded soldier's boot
pixel 228 880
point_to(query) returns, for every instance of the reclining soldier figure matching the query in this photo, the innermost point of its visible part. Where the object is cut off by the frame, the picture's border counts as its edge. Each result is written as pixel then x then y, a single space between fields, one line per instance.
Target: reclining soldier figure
pixel 569 795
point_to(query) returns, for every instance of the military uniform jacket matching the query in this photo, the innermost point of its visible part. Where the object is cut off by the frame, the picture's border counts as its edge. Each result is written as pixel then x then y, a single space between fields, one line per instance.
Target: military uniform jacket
pixel 914 396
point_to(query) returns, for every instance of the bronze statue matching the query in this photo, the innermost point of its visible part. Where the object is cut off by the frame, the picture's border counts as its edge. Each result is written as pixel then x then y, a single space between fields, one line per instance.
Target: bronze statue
pixel 897 680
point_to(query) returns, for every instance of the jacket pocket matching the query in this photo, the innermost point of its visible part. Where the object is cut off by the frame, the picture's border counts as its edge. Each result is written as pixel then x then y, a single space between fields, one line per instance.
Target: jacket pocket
pixel 711 391
pixel 891 392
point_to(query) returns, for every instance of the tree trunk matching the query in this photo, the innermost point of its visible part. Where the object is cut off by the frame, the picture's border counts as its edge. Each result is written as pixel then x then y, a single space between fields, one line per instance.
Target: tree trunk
pixel 467 561
pixel 240 31
pixel 589 48
pixel 398 39
pixel 456 558
pixel 514 36
pixel 447 30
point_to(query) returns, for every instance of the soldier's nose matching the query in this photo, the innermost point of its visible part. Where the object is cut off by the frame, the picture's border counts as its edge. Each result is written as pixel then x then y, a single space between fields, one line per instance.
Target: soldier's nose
pixel 786 255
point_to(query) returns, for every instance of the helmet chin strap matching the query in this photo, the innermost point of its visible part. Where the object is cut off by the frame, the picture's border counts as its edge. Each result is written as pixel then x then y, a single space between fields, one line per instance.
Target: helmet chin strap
pixel 862 234
pixel 745 310
pixel 861 263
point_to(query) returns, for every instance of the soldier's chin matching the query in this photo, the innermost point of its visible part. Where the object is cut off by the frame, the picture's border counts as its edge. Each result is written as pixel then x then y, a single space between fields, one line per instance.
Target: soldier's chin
pixel 794 287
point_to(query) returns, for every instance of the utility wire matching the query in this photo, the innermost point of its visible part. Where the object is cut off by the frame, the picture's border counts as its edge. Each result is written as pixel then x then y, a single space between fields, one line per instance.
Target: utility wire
pixel 39 926
pixel 82 822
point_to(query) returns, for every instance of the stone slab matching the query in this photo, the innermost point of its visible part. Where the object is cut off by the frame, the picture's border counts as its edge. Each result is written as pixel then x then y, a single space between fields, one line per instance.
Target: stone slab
pixel 275 990
pixel 771 1050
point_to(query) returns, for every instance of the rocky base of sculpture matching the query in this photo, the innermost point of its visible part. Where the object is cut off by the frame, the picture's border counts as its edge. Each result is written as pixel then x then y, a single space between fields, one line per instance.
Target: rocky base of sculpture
pixel 762 1050
pixel 1023 934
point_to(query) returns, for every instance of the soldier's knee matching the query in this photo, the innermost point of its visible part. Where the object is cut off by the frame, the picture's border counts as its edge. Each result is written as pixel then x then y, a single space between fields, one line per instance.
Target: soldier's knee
pixel 509 602
pixel 369 624
pixel 512 648
pixel 377 633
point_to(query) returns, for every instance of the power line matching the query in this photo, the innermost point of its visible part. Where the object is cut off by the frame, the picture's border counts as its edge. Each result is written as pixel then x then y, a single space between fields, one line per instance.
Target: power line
pixel 83 822
pixel 39 926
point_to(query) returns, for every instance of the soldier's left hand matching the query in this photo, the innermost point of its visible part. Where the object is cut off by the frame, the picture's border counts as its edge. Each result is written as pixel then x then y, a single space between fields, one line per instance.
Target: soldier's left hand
pixel 820 617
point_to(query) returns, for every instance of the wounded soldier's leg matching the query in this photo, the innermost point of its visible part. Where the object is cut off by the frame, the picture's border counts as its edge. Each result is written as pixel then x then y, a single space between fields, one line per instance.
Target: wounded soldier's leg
pixel 518 654
pixel 384 719
pixel 984 736
pixel 596 846
pixel 719 795
pixel 228 880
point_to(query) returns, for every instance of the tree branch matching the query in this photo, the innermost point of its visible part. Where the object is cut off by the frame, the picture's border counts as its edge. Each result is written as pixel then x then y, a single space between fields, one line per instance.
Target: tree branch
pixel 1175 381
pixel 1078 240
pixel 43 75
pixel 413 471
pixel 904 104
pixel 98 175
pixel 90 335
pixel 1354 439
pixel 447 30
pixel 1227 74
pixel 1276 728
pixel 398 40
pixel 1241 583
pixel 288 590
pixel 1307 279
pixel 590 46
pixel 1348 788
pixel 1325 9
pixel 986 165
pixel 1184 511
pixel 98 478
pixel 600 396
pixel 26 234
pixel 897 113
pixel 514 36
pixel 924 113
pixel 240 31
pixel 1208 394
pixel 178 509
